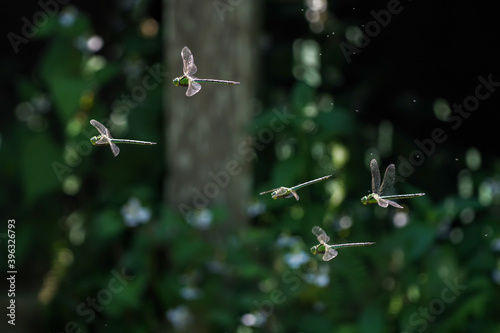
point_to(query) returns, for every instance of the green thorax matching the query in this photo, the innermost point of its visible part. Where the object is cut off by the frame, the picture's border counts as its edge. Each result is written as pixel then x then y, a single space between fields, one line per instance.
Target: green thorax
pixel 320 248
pixel 182 81
pixel 369 199
pixel 94 139
pixel 281 192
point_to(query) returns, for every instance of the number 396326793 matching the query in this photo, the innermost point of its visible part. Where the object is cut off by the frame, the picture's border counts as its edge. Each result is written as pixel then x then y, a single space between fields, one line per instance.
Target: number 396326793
pixel 11 244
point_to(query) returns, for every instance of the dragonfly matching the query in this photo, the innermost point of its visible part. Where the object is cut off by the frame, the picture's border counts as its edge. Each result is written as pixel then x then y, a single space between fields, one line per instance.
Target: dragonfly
pixel 378 190
pixel 106 139
pixel 329 251
pixel 189 69
pixel 285 192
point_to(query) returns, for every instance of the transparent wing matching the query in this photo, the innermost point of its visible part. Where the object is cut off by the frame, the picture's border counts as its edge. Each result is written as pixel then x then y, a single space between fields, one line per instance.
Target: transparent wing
pixel 282 192
pixel 274 189
pixel 193 88
pixel 294 194
pixel 388 182
pixel 381 202
pixel 330 253
pixel 393 203
pixel 320 234
pixel 101 128
pixel 375 176
pixel 188 62
pixel 114 148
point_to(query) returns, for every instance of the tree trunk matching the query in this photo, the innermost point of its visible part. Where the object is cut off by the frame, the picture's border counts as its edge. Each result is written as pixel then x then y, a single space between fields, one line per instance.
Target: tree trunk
pixel 204 166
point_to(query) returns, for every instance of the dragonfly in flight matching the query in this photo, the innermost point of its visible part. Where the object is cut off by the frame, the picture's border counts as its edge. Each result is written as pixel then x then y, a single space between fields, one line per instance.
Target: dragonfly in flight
pixel 105 138
pixel 378 190
pixel 188 79
pixel 285 192
pixel 329 251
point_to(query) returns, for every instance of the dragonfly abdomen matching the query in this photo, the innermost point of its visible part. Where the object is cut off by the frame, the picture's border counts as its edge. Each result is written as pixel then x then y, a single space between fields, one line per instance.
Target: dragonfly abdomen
pixel 216 81
pixel 403 196
pixel 133 142
pixel 336 246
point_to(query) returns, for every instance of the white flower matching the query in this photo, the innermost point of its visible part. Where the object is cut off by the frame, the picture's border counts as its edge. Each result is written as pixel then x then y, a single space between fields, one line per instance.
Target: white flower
pixel 285 240
pixel 255 319
pixel 134 213
pixel 296 259
pixel 201 220
pixel 256 208
pixel 495 244
pixel 496 275
pixel 180 317
pixel 190 293
pixel 320 278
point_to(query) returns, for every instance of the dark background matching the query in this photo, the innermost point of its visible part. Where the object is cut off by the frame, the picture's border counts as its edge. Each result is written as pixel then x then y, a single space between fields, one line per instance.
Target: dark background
pixel 439 272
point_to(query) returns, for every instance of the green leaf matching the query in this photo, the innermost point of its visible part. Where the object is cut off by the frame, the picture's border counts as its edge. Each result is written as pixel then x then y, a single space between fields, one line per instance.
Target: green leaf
pixel 371 320
pixel 301 95
pixel 338 121
pixel 37 156
pixel 61 69
pixel 125 293
pixel 108 225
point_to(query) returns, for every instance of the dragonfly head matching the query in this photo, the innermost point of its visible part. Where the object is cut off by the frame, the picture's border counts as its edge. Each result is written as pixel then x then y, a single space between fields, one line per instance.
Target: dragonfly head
pixel 94 140
pixel 314 249
pixel 364 200
pixel 274 195
pixel 176 81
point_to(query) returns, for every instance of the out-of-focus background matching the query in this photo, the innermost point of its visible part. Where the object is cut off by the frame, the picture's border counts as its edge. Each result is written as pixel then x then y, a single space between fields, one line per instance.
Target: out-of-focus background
pixel 175 237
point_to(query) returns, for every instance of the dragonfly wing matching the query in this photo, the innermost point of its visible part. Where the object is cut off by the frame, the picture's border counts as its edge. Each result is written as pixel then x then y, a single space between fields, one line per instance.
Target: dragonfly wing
pixel 114 148
pixel 193 88
pixel 388 182
pixel 274 189
pixel 393 203
pixel 188 62
pixel 295 195
pixel 100 127
pixel 375 176
pixel 382 202
pixel 320 234
pixel 330 254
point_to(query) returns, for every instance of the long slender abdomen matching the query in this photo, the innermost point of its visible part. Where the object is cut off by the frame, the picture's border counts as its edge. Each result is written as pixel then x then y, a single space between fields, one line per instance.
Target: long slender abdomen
pixel 133 142
pixel 217 81
pixel 403 196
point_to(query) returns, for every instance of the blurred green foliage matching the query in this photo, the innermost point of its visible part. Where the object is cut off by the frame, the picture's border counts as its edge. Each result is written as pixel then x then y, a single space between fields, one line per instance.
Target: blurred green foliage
pixel 103 264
